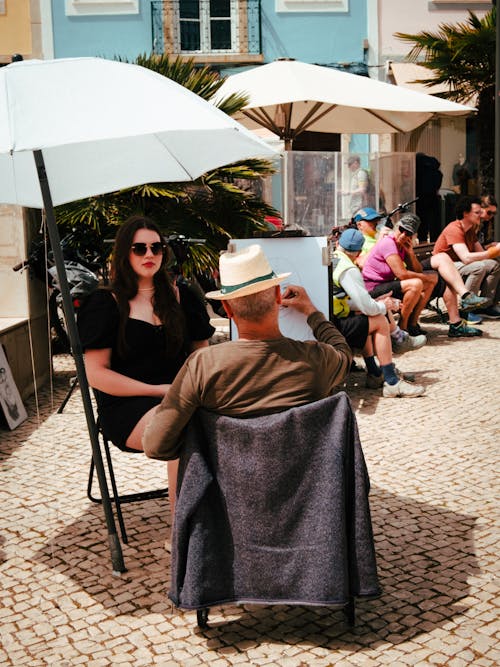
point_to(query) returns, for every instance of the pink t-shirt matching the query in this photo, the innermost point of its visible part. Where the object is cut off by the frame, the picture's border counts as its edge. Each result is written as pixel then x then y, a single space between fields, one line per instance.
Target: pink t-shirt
pixel 375 269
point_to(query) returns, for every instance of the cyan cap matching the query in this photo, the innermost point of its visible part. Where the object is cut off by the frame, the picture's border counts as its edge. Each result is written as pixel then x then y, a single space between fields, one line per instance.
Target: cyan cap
pixel 366 214
pixel 351 240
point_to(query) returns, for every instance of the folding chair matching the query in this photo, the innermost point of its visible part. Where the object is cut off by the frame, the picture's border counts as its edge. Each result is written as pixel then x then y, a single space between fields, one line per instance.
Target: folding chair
pixel 305 535
pixel 115 497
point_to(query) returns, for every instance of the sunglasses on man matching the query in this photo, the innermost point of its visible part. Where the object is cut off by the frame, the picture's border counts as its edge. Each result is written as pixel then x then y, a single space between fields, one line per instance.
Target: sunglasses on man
pixel 140 249
pixel 490 214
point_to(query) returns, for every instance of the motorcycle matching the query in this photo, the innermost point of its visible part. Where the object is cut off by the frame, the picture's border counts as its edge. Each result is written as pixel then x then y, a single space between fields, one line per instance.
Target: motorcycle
pixel 84 266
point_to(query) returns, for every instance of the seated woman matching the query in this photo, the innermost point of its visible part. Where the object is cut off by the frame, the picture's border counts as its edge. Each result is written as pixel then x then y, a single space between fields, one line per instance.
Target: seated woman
pixel 136 335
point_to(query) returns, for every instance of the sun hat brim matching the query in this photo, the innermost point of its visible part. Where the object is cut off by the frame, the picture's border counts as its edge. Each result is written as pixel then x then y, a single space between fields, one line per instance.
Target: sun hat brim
pixel 253 288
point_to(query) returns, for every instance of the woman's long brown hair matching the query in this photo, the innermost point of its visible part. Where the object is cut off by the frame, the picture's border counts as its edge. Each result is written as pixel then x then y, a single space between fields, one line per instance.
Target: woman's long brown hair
pixel 124 284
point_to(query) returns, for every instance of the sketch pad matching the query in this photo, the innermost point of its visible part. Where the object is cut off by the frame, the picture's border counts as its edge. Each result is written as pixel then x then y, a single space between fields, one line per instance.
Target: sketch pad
pixel 303 257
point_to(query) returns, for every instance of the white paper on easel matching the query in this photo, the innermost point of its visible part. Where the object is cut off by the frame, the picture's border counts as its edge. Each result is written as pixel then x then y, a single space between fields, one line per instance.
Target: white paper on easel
pixel 302 256
pixel 10 400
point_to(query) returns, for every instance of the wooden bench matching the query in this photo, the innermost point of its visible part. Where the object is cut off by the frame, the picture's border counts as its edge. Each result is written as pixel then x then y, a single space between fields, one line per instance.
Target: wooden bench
pixel 423 250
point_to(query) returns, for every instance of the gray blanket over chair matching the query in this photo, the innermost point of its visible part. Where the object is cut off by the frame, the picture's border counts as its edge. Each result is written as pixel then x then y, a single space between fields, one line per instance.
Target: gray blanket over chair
pixel 273 509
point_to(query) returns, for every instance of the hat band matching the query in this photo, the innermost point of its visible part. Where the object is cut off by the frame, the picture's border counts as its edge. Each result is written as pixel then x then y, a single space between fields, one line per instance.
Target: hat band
pixel 227 289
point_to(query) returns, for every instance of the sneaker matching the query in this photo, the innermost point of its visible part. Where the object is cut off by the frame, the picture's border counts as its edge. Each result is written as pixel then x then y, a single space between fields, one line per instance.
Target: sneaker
pixel 374 381
pixel 472 302
pixel 491 313
pixel 463 331
pixel 416 330
pixel 470 318
pixel 409 343
pixel 402 390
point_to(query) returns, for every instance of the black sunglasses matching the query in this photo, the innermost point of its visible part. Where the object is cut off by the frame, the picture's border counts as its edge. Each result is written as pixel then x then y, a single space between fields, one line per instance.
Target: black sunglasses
pixel 491 214
pixel 406 232
pixel 140 249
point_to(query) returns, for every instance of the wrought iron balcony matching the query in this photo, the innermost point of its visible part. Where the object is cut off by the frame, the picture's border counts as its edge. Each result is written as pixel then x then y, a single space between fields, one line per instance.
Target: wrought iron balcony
pixel 225 30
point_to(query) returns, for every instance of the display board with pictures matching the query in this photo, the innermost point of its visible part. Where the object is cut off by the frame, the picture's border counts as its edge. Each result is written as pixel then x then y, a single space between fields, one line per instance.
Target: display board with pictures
pixel 10 399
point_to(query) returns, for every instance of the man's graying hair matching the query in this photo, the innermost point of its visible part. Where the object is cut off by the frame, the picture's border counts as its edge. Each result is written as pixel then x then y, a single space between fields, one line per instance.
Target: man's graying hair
pixel 254 307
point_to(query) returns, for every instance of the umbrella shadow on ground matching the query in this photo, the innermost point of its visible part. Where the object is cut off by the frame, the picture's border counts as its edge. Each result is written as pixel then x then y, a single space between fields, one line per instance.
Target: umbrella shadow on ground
pixel 425 556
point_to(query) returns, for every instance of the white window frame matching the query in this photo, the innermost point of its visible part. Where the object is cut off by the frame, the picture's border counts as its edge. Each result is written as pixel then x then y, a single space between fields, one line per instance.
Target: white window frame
pixel 204 22
pixel 100 7
pixel 306 6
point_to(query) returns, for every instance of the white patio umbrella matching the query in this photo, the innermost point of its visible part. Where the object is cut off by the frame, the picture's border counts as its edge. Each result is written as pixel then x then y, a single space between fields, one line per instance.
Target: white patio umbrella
pixel 73 128
pixel 288 97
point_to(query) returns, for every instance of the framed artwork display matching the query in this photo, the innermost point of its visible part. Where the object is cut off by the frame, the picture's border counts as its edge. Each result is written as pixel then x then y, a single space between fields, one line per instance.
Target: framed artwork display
pixel 10 400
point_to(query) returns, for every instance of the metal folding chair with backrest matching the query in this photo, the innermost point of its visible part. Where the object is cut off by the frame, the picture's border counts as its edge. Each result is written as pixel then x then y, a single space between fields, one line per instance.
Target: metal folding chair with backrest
pixel 115 497
pixel 273 510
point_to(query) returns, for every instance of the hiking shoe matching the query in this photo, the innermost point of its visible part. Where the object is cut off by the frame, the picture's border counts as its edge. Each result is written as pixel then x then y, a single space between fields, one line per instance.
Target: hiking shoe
pixel 463 331
pixel 470 318
pixel 472 302
pixel 402 390
pixel 416 330
pixel 408 342
pixel 374 381
pixel 491 313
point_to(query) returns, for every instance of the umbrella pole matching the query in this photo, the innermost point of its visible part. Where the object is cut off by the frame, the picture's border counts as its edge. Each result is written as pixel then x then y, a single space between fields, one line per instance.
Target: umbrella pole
pixel 76 349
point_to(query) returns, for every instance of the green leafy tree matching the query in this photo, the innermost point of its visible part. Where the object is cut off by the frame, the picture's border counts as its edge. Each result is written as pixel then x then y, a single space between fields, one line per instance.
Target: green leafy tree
pixel 462 56
pixel 215 207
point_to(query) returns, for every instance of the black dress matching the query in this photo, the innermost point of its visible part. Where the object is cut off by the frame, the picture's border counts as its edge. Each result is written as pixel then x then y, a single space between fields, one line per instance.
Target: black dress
pixel 147 361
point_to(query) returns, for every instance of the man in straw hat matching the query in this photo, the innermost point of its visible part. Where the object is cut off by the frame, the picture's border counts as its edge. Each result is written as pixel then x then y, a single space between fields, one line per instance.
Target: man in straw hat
pixel 263 371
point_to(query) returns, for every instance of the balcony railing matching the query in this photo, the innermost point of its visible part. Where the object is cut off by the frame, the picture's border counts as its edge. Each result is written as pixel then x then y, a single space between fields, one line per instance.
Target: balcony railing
pixel 216 28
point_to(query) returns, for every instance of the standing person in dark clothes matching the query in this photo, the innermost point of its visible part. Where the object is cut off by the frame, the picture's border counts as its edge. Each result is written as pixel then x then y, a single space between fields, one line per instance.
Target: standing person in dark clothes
pixel 428 207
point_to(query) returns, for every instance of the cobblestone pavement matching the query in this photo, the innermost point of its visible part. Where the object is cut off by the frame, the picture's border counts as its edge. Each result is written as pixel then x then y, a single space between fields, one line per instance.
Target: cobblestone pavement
pixel 433 463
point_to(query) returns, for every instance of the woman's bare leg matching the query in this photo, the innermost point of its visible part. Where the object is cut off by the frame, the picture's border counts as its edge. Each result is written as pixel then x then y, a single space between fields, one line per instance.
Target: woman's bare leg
pixel 135 442
pixel 412 290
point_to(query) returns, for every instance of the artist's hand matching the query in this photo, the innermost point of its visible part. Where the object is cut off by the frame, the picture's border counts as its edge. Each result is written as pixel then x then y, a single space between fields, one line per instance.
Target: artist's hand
pixel 296 297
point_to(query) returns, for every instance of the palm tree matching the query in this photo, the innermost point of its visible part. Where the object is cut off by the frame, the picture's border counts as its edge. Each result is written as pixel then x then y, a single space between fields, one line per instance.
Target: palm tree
pixel 217 206
pixel 462 56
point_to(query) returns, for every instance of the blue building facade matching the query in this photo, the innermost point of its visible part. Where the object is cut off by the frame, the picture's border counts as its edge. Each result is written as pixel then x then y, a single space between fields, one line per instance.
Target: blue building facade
pixel 226 33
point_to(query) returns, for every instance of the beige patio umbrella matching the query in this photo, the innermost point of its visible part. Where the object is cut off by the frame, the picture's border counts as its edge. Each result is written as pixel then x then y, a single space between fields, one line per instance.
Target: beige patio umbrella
pixel 289 97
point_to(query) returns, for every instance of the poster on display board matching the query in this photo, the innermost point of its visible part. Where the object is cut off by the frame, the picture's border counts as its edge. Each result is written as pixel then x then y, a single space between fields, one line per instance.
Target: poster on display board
pixel 306 258
pixel 10 400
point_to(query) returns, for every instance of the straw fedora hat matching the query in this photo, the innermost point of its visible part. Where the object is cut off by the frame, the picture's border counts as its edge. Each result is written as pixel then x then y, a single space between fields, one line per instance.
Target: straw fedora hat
pixel 245 272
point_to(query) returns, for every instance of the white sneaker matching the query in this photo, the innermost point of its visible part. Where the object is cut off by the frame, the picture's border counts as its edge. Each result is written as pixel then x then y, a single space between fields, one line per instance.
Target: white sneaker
pixel 408 342
pixel 402 389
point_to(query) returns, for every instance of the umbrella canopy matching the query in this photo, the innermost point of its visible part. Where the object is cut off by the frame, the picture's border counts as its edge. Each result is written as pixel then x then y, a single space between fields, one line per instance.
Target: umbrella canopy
pixel 73 128
pixel 104 125
pixel 288 97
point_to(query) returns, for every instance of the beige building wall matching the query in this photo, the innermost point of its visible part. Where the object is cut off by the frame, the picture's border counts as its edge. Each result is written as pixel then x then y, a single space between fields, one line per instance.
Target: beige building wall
pixel 14 293
pixel 21 29
pixel 412 16
pixel 444 138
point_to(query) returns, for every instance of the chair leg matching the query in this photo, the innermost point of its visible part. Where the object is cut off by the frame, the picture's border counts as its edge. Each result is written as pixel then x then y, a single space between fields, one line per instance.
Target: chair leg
pixel 116 497
pixel 202 617
pixel 350 611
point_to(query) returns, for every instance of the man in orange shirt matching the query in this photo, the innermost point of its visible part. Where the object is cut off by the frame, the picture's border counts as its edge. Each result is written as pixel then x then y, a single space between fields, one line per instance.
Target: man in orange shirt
pixel 477 266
